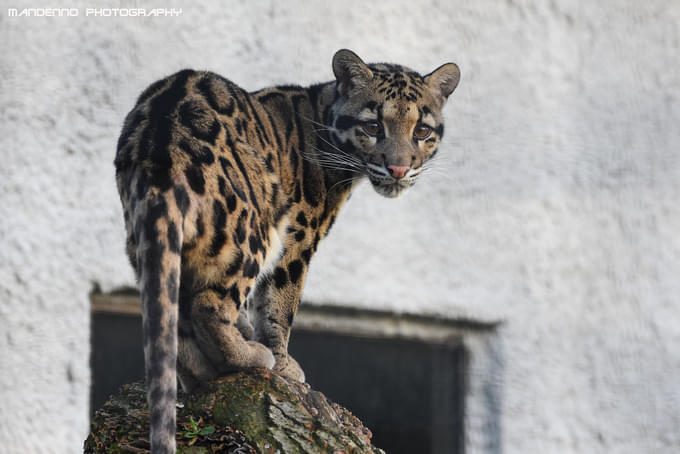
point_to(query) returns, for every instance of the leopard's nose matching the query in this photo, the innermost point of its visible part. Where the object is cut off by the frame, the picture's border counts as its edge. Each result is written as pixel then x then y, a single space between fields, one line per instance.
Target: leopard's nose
pixel 398 171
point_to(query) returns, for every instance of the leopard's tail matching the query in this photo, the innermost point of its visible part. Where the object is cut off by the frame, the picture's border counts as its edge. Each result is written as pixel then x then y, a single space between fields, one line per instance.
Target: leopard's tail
pixel 156 226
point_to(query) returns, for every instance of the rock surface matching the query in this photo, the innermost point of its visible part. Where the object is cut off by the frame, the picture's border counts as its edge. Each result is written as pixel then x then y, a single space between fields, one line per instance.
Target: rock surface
pixel 250 412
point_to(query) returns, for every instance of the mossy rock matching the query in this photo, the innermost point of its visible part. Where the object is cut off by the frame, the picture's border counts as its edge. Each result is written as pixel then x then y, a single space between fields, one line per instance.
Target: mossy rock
pixel 256 411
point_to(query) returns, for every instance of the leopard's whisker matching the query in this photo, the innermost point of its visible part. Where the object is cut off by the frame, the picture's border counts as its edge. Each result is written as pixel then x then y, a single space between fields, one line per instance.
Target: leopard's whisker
pixel 314 121
pixel 346 180
pixel 344 159
pixel 340 155
pixel 334 164
pixel 326 141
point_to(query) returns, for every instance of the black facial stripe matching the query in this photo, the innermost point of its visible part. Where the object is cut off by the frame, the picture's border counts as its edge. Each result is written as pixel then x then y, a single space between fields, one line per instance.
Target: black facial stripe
pixel 347 146
pixel 371 105
pixel 344 122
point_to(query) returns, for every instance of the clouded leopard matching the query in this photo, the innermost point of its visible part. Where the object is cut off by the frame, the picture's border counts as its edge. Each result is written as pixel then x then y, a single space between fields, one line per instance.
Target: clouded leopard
pixel 226 195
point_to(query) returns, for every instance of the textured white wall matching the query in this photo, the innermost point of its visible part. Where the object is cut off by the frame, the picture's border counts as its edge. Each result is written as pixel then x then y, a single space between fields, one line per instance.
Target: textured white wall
pixel 554 206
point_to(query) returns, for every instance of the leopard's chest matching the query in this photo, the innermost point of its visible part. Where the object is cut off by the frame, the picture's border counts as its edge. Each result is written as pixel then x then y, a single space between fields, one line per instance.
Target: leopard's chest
pixel 276 248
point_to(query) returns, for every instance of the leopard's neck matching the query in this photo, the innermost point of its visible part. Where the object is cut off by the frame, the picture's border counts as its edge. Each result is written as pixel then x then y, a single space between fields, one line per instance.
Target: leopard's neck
pixel 340 180
pixel 309 115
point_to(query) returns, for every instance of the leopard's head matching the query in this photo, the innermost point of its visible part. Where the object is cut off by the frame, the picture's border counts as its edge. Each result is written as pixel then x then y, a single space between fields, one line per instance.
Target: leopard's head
pixel 387 120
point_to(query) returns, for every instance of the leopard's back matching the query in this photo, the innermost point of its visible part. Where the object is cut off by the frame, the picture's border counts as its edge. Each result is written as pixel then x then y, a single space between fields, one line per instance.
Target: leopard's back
pixel 212 143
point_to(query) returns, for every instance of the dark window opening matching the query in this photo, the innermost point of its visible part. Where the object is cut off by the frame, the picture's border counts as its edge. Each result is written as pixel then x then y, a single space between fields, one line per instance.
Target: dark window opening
pixel 117 356
pixel 409 393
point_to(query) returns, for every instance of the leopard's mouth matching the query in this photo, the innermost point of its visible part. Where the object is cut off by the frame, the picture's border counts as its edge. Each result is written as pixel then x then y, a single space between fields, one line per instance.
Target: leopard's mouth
pixel 389 187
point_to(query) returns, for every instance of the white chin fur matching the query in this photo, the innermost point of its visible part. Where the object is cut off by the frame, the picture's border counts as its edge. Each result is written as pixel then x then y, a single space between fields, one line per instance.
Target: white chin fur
pixel 391 191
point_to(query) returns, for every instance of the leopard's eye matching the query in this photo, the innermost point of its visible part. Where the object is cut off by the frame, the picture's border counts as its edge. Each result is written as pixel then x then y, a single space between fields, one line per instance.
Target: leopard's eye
pixel 422 132
pixel 372 128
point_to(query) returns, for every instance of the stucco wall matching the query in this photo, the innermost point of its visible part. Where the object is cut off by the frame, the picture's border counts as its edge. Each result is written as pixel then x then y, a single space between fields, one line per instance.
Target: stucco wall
pixel 554 206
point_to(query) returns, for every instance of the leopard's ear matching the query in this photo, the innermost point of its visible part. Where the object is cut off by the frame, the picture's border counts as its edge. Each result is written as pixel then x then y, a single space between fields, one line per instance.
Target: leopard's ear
pixel 444 79
pixel 350 71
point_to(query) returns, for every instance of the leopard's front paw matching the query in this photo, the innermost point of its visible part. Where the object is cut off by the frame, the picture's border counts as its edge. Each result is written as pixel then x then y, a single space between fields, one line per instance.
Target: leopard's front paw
pixel 259 356
pixel 288 367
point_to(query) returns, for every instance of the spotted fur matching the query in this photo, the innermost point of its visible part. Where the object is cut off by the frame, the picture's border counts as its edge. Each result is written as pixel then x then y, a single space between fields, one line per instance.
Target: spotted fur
pixel 226 195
